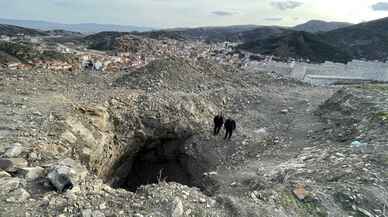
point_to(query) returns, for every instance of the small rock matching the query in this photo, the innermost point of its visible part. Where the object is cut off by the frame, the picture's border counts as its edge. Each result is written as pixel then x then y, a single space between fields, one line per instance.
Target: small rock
pixel 19 162
pixel 213 173
pixel 90 213
pixel 32 173
pixel 60 181
pixel 4 174
pixel 87 213
pixel 365 212
pixel 6 164
pixel 98 214
pixel 68 136
pixel 177 208
pixel 18 196
pixel 33 156
pixel 261 131
pixel 300 192
pixel 12 164
pixel 103 206
pixel 14 150
pixel 284 111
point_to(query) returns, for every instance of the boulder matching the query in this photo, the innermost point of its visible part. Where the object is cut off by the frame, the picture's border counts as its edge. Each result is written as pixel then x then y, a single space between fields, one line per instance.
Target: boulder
pixel 14 150
pixel 6 164
pixel 12 164
pixel 71 168
pixel 60 181
pixel 177 208
pixel 4 174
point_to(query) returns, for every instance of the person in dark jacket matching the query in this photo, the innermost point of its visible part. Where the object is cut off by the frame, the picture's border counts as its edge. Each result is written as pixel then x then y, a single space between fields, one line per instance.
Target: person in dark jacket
pixel 230 126
pixel 218 122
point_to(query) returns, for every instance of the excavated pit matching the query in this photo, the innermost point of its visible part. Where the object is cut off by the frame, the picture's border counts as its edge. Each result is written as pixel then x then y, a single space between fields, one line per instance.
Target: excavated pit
pixel 159 160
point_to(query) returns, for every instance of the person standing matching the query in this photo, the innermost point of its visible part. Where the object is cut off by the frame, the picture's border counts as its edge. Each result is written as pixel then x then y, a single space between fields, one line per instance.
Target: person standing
pixel 230 126
pixel 218 122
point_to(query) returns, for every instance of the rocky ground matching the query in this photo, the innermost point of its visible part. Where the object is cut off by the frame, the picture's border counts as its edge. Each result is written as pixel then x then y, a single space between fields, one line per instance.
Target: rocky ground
pixel 141 144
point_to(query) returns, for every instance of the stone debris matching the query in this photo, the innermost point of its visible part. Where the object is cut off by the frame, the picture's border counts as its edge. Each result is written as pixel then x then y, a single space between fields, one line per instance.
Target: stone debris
pixel 19 195
pixel 97 132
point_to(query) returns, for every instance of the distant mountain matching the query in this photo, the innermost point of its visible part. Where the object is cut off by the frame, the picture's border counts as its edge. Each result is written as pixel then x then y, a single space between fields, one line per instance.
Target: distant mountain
pixel 367 40
pixel 314 26
pixel 242 33
pixel 106 40
pixel 298 45
pixel 64 33
pixel 11 30
pixel 208 34
pixel 102 40
pixel 83 27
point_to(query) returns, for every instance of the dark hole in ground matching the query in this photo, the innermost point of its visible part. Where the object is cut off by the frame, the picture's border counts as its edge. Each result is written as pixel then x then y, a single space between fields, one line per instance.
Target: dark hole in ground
pixel 162 160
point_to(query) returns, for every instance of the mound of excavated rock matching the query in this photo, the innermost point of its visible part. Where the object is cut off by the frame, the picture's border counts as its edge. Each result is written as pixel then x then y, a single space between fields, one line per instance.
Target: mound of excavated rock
pixel 119 145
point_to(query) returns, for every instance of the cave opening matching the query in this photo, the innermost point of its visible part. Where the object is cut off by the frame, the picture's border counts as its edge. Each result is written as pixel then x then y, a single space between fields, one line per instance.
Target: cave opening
pixel 161 160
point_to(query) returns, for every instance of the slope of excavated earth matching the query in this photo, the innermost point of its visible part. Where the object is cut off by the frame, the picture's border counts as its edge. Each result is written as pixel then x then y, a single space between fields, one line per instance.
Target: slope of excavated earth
pixel 141 144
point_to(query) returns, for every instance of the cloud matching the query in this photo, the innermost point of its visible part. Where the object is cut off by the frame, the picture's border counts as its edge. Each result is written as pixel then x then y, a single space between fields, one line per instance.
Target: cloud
pixel 380 6
pixel 223 13
pixel 286 5
pixel 273 19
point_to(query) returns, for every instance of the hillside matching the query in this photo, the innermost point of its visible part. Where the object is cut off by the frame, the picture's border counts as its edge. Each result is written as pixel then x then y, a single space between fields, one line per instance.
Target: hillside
pixel 217 34
pixel 102 40
pixel 11 30
pixel 25 52
pixel 208 34
pixel 314 26
pixel 107 40
pixel 298 45
pixel 364 41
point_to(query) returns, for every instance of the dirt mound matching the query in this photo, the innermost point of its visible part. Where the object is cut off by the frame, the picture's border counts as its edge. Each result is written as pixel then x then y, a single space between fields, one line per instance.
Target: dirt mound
pixel 174 74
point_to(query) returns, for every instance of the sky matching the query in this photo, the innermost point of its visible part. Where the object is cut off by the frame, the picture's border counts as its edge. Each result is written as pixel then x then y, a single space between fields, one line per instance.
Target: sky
pixel 192 13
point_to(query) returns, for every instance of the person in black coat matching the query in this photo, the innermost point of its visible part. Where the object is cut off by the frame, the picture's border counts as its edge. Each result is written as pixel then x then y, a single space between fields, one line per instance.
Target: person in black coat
pixel 230 126
pixel 218 122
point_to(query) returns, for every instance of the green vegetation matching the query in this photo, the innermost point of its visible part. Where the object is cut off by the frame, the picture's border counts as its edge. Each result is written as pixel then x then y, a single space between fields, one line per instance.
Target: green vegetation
pixel 362 41
pixel 383 116
pixel 303 209
pixel 298 45
pixel 374 87
pixel 25 52
pixel 21 51
pixel 11 30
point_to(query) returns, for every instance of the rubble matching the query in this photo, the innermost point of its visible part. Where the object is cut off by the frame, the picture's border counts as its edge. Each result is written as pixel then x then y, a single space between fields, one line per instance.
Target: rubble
pixel 141 144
